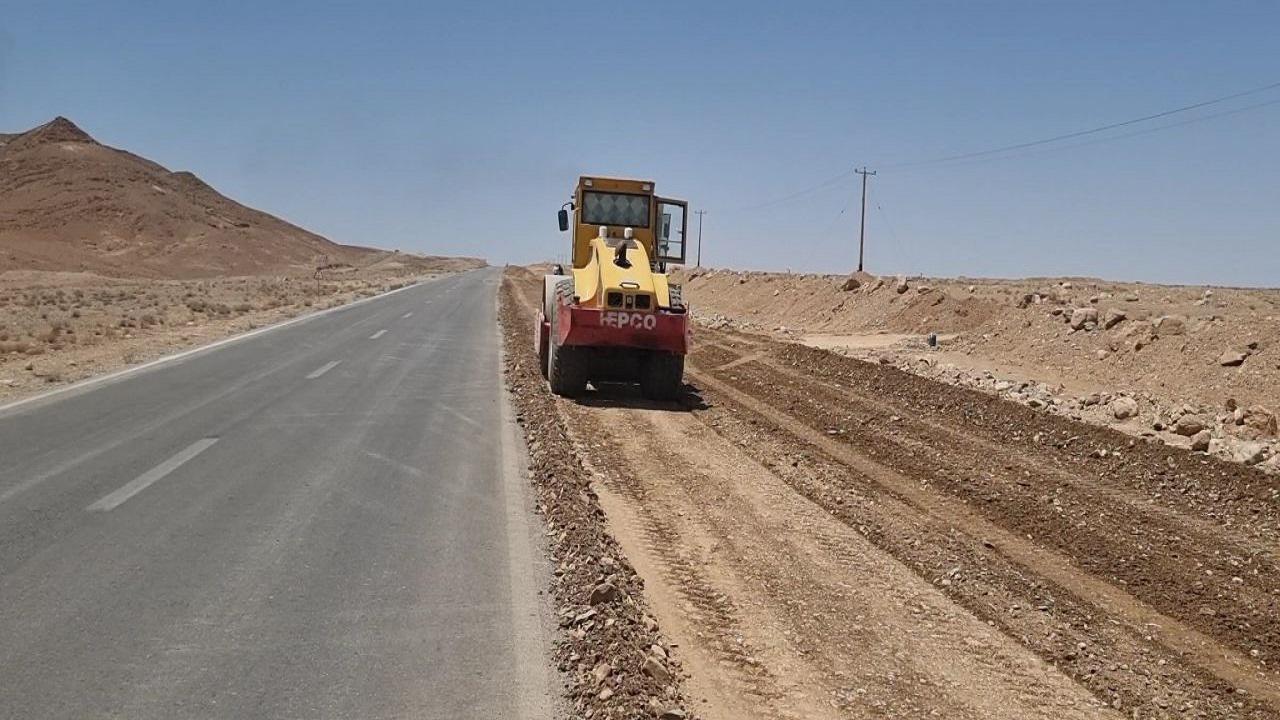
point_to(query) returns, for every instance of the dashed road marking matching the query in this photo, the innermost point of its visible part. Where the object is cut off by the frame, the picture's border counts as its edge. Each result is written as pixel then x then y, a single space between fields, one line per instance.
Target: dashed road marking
pixel 143 481
pixel 407 315
pixel 377 335
pixel 323 369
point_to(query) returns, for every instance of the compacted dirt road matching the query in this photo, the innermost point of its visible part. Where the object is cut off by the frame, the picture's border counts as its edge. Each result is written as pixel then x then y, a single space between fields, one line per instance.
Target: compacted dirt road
pixel 824 537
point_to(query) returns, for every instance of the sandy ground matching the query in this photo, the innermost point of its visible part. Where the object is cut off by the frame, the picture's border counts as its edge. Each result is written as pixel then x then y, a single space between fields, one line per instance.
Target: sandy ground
pixel 825 537
pixel 59 327
pixel 1137 357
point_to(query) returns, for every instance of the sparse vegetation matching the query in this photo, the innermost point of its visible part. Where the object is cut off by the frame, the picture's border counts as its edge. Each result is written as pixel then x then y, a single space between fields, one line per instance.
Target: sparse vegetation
pixel 84 329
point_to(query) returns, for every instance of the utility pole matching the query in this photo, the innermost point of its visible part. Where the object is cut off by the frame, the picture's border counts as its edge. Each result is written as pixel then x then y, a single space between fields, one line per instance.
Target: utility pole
pixel 862 232
pixel 699 213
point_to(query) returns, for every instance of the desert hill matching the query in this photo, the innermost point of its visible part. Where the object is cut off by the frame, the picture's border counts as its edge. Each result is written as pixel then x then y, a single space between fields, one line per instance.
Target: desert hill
pixel 70 203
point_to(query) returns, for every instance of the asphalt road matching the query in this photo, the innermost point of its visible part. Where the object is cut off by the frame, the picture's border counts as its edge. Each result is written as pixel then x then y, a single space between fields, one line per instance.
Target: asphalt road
pixel 324 520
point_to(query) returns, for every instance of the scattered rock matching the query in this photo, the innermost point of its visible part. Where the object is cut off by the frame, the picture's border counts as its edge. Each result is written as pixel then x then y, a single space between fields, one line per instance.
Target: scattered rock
pixel 1081 316
pixel 1231 358
pixel 656 670
pixel 1123 408
pixel 1261 419
pixel 1190 424
pixel 603 593
pixel 1171 325
pixel 1113 317
pixel 1200 441
pixel 1249 452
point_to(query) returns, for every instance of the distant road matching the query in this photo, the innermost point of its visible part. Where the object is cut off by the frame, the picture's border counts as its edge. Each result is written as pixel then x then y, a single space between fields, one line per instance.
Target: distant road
pixel 326 520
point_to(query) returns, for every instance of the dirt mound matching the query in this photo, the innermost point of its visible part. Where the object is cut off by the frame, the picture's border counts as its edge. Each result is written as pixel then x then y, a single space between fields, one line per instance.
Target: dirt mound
pixel 70 203
pixel 1081 347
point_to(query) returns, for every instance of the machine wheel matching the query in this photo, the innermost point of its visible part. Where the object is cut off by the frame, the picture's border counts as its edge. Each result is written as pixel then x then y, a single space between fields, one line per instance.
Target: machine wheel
pixel 661 376
pixel 544 356
pixel 566 366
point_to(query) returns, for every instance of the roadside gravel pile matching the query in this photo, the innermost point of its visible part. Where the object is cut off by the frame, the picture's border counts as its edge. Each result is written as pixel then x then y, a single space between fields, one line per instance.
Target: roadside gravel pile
pixel 615 661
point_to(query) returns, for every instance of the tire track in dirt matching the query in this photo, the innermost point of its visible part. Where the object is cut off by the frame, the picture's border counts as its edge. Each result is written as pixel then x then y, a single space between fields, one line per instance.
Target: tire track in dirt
pixel 1256 542
pixel 1148 553
pixel 677 558
pixel 1203 650
pixel 850 627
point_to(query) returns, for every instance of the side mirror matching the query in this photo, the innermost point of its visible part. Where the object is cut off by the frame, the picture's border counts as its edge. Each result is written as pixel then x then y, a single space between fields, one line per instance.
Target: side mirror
pixel 563 216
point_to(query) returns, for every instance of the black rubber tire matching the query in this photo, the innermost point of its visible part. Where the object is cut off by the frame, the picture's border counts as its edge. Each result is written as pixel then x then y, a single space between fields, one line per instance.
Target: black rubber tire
pixel 662 376
pixel 544 357
pixel 566 366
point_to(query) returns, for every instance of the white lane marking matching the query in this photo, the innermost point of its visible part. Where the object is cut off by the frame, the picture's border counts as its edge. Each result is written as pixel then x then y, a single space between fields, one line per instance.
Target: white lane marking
pixel 407 315
pixel 143 481
pixel 88 383
pixel 403 467
pixel 461 416
pixel 323 369
pixel 377 335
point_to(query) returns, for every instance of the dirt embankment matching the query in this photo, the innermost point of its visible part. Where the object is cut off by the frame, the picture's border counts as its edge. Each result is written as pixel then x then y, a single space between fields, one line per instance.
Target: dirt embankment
pixel 825 537
pixel 1194 366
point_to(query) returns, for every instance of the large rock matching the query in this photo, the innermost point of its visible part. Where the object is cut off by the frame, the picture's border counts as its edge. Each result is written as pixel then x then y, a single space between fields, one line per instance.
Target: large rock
pixel 901 285
pixel 856 280
pixel 1249 453
pixel 603 593
pixel 1231 358
pixel 1190 424
pixel 1113 317
pixel 1261 419
pixel 1171 325
pixel 1083 316
pixel 655 670
pixel 1200 441
pixel 1124 407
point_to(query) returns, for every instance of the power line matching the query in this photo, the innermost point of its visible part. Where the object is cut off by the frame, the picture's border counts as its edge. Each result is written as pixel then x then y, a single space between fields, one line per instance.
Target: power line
pixel 799 193
pixel 1123 136
pixel 1044 141
pixel 1090 131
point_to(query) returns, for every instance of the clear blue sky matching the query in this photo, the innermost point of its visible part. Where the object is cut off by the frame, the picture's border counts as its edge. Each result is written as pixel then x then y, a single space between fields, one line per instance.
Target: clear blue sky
pixel 460 128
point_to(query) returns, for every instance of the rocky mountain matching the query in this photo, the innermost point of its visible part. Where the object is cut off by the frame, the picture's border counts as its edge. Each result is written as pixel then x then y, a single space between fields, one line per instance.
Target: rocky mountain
pixel 70 203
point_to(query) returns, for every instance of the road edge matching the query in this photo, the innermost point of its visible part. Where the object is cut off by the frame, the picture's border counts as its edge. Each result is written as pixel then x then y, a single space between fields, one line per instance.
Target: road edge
pixel 527 556
pixel 92 383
